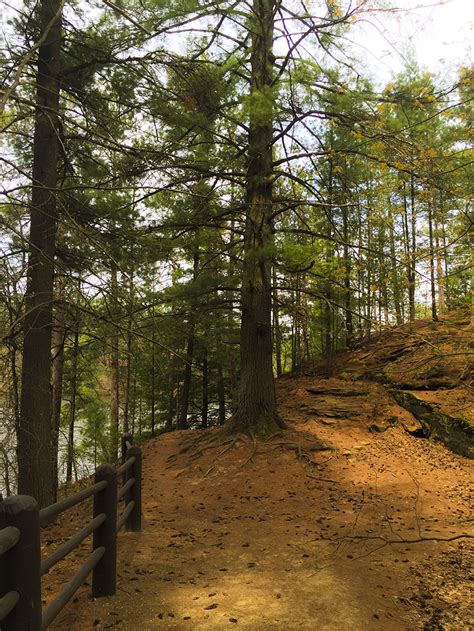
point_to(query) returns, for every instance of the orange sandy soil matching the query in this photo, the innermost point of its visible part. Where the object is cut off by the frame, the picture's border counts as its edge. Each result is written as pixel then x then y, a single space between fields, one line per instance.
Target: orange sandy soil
pixel 293 533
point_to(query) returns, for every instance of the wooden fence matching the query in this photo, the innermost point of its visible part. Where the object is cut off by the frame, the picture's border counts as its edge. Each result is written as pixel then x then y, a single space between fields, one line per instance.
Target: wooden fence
pixel 21 566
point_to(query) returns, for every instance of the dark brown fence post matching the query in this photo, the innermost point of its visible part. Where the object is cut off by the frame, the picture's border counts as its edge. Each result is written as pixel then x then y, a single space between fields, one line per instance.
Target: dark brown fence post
pixel 104 575
pixel 20 567
pixel 134 521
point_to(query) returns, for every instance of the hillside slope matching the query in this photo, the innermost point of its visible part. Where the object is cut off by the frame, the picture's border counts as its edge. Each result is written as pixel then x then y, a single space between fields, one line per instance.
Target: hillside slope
pixel 427 368
pixel 328 526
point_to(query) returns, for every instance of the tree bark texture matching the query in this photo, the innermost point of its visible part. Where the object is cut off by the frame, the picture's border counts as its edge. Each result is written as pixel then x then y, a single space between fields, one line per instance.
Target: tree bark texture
pixel 276 327
pixel 114 371
pixel 205 391
pixel 256 408
pixel 72 405
pixel 188 369
pixel 34 436
pixel 58 337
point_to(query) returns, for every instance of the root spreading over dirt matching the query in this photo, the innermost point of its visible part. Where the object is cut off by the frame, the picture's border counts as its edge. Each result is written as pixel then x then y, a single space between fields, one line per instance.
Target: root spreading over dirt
pixel 329 525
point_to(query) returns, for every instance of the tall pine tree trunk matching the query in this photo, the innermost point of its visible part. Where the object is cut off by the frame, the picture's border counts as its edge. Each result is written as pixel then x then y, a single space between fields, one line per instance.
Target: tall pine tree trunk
pixel 276 326
pixel 186 386
pixel 171 398
pixel 434 313
pixel 34 449
pixel 153 376
pixel 439 271
pixel 72 405
pixel 128 360
pixel 256 408
pixel 413 250
pixel 59 333
pixel 186 389
pixel 394 275
pixel 205 391
pixel 221 393
pixel 347 281
pixel 410 258
pixel 114 370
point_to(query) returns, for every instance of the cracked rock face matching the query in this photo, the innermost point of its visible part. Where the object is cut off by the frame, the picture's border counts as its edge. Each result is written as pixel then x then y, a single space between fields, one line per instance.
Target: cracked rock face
pixel 426 368
pixel 456 432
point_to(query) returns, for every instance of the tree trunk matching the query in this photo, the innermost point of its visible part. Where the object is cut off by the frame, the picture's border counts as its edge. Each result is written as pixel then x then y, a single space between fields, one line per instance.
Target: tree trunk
pixel 347 281
pixel 6 472
pixel 186 389
pixel 410 258
pixel 413 250
pixel 59 333
pixel 297 319
pixel 434 313
pixel 447 292
pixel 72 406
pixel 395 283
pixel 128 361
pixel 328 338
pixel 153 376
pixel 276 327
pixel 439 272
pixel 205 391
pixel 133 407
pixel 171 398
pixel 114 371
pixel 221 393
pixel 34 449
pixel 369 261
pixel 256 407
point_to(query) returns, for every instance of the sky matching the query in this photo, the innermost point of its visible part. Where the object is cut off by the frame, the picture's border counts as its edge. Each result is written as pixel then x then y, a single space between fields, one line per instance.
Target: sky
pixel 439 32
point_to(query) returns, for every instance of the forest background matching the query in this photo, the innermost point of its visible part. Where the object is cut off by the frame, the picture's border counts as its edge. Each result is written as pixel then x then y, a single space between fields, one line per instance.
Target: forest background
pixel 200 196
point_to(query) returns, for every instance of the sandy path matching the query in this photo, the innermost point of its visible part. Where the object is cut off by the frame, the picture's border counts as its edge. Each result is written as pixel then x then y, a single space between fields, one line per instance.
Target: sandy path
pixel 264 544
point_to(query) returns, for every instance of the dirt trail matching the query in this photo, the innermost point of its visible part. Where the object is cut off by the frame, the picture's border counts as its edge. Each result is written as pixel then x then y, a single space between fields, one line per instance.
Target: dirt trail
pixel 292 535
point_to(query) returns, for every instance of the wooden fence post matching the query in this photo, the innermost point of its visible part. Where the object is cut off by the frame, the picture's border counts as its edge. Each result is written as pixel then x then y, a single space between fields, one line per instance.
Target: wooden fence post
pixel 20 567
pixel 134 521
pixel 104 574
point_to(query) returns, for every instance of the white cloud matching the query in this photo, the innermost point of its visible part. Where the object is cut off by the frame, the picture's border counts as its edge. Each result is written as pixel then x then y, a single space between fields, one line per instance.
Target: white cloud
pixel 438 32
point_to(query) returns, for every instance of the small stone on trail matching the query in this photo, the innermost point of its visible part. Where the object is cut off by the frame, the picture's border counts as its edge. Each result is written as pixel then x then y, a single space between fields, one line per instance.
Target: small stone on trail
pixel 233 620
pixel 213 606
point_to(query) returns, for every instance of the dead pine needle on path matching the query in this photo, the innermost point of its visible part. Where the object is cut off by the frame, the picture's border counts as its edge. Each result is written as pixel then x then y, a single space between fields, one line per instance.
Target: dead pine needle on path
pixel 323 526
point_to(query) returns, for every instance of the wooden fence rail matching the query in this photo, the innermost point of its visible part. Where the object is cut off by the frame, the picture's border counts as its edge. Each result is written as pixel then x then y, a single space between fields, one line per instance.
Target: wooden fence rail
pixel 21 566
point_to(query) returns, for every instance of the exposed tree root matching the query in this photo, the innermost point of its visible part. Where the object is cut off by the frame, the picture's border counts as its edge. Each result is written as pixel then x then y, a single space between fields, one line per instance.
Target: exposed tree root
pixel 254 451
pixel 299 448
pixel 195 448
pixel 316 477
pixel 232 442
pixel 272 436
pixel 209 471
pixel 195 443
pixel 212 443
pixel 359 538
